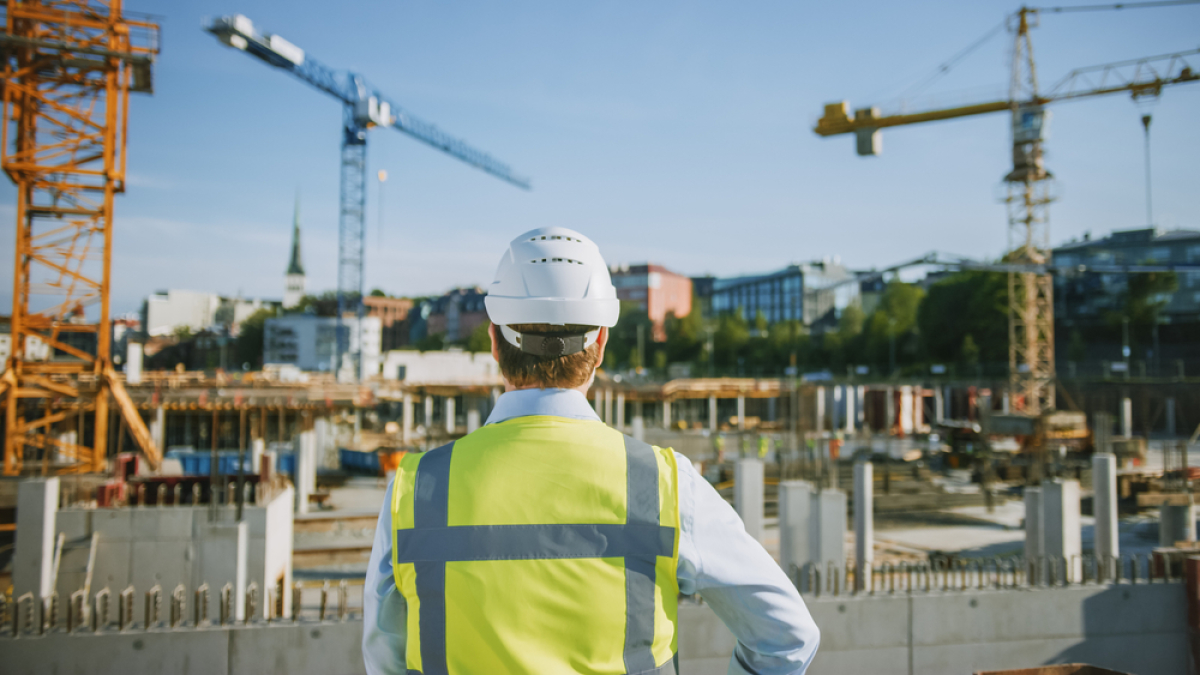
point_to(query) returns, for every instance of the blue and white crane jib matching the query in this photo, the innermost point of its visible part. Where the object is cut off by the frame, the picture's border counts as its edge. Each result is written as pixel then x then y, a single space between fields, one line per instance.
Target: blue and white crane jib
pixel 366 107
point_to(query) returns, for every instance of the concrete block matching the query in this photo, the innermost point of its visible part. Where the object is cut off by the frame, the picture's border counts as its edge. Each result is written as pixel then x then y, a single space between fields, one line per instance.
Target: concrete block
pixel 748 495
pixel 222 557
pixel 333 648
pixel 864 515
pixel 113 524
pixel 1176 523
pixel 162 524
pixel 33 559
pixel 1034 542
pixel 1104 484
pixel 795 514
pixel 1061 524
pixel 167 563
pixel 830 522
pixel 114 565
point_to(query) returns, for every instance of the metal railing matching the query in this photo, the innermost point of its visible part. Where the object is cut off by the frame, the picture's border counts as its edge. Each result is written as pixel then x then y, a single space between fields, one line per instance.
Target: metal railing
pixel 949 574
pixel 28 615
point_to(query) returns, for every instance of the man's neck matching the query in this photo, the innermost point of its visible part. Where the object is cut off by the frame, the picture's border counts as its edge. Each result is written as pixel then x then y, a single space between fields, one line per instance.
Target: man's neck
pixel 582 389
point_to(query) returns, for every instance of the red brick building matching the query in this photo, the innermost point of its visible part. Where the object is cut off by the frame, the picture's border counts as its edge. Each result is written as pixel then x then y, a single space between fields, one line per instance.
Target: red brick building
pixel 659 291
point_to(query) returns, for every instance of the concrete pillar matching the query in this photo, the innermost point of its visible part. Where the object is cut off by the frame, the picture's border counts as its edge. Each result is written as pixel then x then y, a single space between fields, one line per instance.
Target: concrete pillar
pixel 939 414
pixel 133 363
pixel 860 399
pixel 608 407
pixel 258 447
pixel 829 535
pixel 620 411
pixel 795 516
pixel 1104 506
pixel 1176 523
pixel 473 414
pixel 158 429
pixel 1061 524
pixel 864 519
pixel 666 414
pixel 948 401
pixel 741 412
pixel 907 413
pixel 1034 542
pixel 428 400
pixel 222 555
pixel 33 559
pixel 819 400
pixel 305 477
pixel 449 413
pixel 406 416
pixel 890 407
pixel 712 414
pixel 1127 417
pixel 639 424
pixel 748 494
pixel 1170 402
pixel 1004 403
pixel 850 394
pixel 326 455
pixel 918 409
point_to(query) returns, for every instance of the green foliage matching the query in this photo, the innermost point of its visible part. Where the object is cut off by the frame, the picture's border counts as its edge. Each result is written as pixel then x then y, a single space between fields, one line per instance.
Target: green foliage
pixel 479 340
pixel 378 293
pixel 622 338
pixel 249 343
pixel 966 304
pixel 895 319
pixel 324 304
pixel 969 352
pixel 431 343
pixel 1145 296
pixel 1076 348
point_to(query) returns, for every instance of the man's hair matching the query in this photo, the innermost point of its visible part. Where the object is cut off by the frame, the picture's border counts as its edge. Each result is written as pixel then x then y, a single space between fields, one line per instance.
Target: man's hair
pixel 522 369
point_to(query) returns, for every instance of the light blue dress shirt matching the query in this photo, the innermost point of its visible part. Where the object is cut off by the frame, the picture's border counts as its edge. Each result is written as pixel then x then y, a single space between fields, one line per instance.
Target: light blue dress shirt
pixel 717 559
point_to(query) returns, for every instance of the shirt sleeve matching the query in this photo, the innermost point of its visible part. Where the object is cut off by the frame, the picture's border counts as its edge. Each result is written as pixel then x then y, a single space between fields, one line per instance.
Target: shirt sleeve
pixel 745 587
pixel 384 629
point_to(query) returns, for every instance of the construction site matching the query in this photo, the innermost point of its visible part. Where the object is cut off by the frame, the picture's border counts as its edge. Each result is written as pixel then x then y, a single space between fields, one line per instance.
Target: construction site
pixel 165 508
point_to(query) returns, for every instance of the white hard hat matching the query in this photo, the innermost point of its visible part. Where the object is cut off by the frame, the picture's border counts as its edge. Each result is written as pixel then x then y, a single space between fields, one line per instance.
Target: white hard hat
pixel 554 276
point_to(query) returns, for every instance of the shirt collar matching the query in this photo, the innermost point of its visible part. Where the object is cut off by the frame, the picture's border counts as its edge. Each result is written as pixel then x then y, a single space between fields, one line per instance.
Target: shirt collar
pixel 567 403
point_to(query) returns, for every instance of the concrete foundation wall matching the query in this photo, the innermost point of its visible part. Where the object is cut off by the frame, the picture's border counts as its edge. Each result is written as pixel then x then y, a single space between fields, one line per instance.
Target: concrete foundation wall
pixel 1128 628
pixel 294 649
pixel 1133 629
pixel 163 546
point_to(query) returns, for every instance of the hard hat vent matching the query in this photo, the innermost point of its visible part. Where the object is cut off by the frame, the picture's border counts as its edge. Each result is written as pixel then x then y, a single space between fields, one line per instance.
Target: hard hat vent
pixel 569 261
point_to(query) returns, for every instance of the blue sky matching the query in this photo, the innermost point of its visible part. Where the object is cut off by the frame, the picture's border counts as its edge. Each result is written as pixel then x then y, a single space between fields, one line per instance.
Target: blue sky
pixel 674 132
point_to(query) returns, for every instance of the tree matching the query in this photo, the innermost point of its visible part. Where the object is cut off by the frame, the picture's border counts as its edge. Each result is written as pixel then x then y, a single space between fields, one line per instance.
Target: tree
pixel 325 304
pixel 966 304
pixel 479 340
pixel 730 339
pixel 895 319
pixel 969 354
pixel 249 343
pixel 378 293
pixel 431 343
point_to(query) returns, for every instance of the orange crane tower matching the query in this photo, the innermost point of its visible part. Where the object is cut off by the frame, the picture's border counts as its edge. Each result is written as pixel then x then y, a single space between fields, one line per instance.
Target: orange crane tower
pixel 1030 294
pixel 69 66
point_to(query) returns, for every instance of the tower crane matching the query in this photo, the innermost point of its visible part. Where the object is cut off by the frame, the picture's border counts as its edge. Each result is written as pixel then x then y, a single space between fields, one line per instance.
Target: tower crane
pixel 69 67
pixel 363 108
pixel 1030 287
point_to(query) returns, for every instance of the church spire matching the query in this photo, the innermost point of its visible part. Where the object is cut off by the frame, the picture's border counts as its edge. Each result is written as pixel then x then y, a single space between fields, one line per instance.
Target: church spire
pixel 295 266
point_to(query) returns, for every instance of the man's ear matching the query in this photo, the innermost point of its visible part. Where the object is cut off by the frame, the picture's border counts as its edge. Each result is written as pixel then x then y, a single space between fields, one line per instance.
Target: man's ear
pixel 601 342
pixel 495 341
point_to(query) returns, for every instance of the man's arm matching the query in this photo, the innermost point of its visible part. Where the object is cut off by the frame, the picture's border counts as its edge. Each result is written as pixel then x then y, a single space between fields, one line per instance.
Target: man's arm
pixel 384 630
pixel 741 582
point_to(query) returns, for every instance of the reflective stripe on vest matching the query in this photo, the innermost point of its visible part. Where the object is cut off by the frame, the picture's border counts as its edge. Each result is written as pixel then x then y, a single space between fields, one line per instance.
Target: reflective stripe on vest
pixel 431 543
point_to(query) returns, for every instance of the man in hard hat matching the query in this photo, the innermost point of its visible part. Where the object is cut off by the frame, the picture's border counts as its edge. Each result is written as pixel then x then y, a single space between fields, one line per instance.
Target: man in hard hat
pixel 547 542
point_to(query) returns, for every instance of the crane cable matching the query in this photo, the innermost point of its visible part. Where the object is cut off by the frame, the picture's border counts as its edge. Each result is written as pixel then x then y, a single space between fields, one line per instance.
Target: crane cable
pixel 1124 5
pixel 953 61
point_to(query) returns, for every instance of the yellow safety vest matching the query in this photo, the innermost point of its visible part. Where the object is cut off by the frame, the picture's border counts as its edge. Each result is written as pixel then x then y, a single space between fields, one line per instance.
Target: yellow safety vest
pixel 539 545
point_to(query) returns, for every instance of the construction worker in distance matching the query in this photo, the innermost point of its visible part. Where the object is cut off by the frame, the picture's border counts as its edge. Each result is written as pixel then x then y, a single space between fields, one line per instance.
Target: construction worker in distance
pixel 547 542
pixel 719 447
pixel 763 446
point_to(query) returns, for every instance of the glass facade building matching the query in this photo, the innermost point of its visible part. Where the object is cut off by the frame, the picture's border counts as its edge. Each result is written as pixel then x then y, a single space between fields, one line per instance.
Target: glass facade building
pixel 811 293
